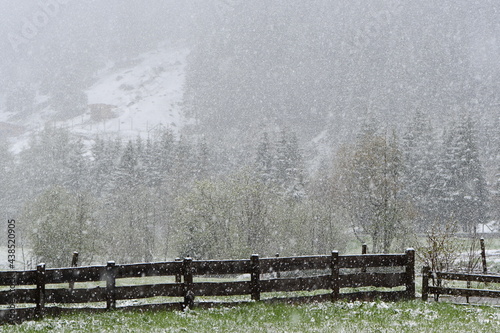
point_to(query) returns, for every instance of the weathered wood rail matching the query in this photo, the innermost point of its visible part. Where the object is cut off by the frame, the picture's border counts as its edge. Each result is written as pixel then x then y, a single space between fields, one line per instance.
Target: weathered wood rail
pixel 50 291
pixel 439 289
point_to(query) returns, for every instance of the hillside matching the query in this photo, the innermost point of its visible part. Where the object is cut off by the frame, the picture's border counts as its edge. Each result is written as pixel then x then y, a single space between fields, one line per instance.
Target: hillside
pixel 127 100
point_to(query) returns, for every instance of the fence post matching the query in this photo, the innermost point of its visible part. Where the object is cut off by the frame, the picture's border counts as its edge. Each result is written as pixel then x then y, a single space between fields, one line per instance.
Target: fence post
pixel 255 277
pixel 438 284
pixel 425 283
pixel 483 256
pixel 364 250
pixel 74 263
pixel 40 291
pixel 278 274
pixel 110 285
pixel 188 284
pixel 178 276
pixel 410 273
pixel 335 279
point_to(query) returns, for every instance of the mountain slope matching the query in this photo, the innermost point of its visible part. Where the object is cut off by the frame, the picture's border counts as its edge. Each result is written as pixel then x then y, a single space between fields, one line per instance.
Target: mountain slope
pixel 129 100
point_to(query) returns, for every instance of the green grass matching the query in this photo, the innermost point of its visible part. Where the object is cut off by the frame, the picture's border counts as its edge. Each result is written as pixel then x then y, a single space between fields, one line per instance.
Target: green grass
pixel 412 316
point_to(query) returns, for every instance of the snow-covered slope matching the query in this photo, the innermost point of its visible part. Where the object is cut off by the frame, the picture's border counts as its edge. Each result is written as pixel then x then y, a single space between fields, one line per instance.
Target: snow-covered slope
pixel 130 100
pixel 141 97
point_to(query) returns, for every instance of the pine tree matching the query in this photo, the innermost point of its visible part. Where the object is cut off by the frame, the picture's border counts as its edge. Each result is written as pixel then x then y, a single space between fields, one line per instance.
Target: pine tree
pixel 78 166
pixel 100 167
pixel 289 164
pixel 466 189
pixel 203 160
pixel 45 162
pixel 150 164
pixel 127 172
pixel 264 159
pixel 140 158
pixel 183 169
pixel 421 178
pixel 166 152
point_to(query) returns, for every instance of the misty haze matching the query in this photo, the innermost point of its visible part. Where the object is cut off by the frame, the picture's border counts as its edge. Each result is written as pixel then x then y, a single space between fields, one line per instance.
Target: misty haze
pixel 142 131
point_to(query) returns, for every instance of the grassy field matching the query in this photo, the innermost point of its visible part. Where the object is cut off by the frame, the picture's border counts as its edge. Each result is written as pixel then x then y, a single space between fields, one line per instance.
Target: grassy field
pixel 414 316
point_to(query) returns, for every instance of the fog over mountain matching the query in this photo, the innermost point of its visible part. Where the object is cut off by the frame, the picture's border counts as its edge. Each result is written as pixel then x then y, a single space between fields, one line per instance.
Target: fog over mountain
pixel 325 65
pixel 228 76
pixel 313 67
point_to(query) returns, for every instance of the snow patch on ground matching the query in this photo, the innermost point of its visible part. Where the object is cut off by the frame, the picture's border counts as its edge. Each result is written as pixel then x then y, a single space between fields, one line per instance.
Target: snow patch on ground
pixel 144 96
pixel 130 101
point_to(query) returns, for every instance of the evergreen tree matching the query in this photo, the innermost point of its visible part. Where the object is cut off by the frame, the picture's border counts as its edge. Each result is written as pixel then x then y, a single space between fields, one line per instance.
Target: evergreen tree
pixel 140 158
pixel 466 188
pixel 127 172
pixel 101 167
pixel 166 152
pixel 150 164
pixel 421 178
pixel 45 163
pixel 203 160
pixel 264 159
pixel 289 164
pixel 78 167
pixel 183 173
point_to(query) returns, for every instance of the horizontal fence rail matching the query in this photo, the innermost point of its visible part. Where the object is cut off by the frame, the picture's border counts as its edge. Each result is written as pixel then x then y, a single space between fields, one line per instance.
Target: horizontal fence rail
pixel 47 291
pixel 439 289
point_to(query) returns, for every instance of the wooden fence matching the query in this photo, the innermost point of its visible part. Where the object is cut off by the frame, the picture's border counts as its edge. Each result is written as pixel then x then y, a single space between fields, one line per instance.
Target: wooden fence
pixel 438 287
pixel 51 291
